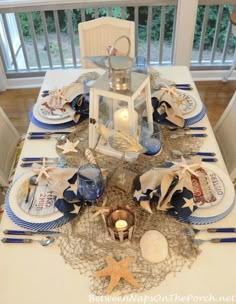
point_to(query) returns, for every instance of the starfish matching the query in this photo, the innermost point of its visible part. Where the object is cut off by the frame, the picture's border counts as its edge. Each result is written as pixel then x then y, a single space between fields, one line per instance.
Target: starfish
pixel 68 146
pixel 188 203
pixel 186 167
pixel 57 94
pixel 117 270
pixel 102 209
pixel 170 91
pixel 42 170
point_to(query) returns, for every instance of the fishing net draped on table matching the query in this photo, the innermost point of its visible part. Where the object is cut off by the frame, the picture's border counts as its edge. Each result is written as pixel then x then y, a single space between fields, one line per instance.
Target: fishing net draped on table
pixel 86 241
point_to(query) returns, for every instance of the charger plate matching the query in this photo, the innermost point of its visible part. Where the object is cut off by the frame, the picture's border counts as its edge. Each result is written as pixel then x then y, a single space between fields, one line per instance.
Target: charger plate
pixel 54 126
pixel 37 215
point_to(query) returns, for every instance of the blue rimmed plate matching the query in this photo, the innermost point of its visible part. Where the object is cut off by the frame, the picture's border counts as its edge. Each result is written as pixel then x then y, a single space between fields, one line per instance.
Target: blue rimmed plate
pixel 55 126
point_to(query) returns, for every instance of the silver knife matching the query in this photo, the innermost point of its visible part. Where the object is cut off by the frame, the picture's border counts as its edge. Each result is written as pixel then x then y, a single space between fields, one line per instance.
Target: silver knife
pixel 47 133
pixel 24 232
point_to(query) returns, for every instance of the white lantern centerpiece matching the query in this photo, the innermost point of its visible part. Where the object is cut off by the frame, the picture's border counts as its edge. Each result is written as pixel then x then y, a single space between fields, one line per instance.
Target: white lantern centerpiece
pixel 118 111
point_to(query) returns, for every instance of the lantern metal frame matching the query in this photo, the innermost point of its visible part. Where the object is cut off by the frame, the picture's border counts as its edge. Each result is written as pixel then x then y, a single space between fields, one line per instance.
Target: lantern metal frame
pixel 101 88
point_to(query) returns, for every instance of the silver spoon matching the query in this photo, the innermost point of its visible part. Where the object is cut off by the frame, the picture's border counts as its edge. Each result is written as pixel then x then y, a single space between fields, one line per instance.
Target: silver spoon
pixel 44 241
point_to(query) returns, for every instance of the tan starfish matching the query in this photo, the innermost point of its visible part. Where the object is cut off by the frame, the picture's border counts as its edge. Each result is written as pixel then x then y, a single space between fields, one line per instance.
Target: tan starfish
pixel 102 209
pixel 186 167
pixel 68 146
pixel 42 170
pixel 57 94
pixel 117 270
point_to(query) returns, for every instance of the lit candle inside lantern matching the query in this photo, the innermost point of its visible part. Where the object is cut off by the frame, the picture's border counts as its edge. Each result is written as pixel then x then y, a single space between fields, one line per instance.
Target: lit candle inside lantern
pixel 121 120
pixel 121 225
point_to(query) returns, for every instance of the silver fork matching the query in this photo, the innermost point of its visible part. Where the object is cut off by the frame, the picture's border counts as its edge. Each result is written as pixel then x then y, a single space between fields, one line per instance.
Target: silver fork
pixel 192 231
pixel 215 240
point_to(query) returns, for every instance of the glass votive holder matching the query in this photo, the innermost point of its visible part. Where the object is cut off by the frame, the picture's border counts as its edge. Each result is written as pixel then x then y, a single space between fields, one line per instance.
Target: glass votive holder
pixel 151 137
pixel 90 182
pixel 140 65
pixel 120 224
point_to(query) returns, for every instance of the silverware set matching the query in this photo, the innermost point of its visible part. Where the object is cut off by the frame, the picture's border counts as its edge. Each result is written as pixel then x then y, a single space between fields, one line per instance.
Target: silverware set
pixel 48 239
pixel 210 155
pixel 193 232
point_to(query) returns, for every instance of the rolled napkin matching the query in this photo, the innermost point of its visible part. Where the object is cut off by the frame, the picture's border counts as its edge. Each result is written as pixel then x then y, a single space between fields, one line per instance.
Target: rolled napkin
pixel 168 190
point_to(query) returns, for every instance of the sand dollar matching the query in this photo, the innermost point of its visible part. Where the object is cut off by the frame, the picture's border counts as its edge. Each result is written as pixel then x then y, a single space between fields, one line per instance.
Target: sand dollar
pixel 154 246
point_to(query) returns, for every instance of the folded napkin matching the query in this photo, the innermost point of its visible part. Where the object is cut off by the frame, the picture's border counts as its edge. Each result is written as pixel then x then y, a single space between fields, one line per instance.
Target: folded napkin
pixel 168 190
pixel 166 110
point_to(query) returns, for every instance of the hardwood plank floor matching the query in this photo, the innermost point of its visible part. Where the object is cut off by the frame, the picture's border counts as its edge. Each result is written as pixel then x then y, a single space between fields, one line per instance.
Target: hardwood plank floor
pixel 17 103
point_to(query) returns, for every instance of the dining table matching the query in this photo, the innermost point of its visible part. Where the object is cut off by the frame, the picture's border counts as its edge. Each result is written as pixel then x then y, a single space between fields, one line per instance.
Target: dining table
pixel 35 274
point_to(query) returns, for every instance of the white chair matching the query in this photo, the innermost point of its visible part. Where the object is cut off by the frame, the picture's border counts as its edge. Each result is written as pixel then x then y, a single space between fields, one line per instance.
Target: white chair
pixel 9 138
pixel 96 35
pixel 233 22
pixel 225 134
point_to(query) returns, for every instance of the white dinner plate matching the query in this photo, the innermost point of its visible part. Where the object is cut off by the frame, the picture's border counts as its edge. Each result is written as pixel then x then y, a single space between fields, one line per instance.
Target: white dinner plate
pixel 208 188
pixel 50 112
pixel 222 183
pixel 37 112
pixel 188 105
pixel 39 210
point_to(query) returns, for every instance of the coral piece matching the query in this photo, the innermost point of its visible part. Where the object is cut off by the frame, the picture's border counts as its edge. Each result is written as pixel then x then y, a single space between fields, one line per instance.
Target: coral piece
pixel 117 270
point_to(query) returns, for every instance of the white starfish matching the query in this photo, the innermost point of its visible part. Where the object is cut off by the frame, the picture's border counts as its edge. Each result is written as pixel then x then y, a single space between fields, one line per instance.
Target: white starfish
pixel 185 166
pixel 170 91
pixel 68 146
pixel 42 170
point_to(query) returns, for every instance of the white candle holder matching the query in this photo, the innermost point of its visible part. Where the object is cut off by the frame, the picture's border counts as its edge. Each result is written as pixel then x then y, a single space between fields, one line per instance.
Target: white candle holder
pixel 118 110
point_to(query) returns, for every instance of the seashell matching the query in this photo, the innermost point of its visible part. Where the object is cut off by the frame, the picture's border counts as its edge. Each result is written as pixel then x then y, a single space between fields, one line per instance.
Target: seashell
pixel 90 157
pixel 154 246
pixel 124 142
pixel 146 206
pixel 103 131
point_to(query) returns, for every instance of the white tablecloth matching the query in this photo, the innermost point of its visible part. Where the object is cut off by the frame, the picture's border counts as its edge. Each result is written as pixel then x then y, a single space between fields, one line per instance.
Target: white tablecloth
pixel 32 274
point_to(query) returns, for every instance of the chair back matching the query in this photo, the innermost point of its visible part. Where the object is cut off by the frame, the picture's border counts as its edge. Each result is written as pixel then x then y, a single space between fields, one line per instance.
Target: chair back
pixel 95 36
pixel 225 134
pixel 9 138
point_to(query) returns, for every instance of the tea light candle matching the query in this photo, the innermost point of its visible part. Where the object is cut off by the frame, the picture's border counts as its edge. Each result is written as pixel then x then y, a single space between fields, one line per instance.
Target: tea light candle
pixel 121 120
pixel 121 225
pixel 152 144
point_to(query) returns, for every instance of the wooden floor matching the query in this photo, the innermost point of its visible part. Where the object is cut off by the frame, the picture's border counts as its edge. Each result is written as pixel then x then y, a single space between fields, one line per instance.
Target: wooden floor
pixel 17 103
